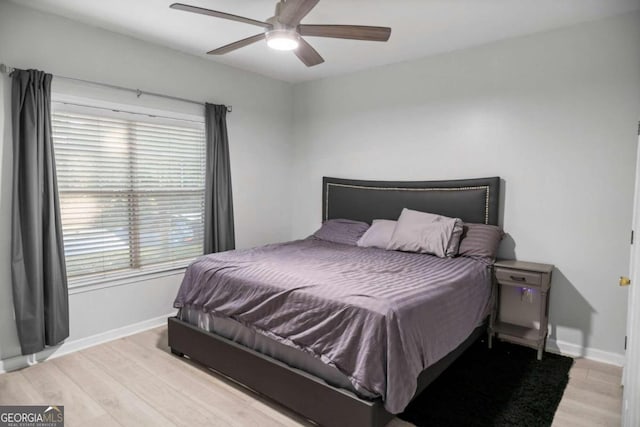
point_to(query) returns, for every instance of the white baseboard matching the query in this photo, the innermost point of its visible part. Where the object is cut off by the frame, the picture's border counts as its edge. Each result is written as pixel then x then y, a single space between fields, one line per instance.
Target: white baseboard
pixel 18 362
pixel 574 350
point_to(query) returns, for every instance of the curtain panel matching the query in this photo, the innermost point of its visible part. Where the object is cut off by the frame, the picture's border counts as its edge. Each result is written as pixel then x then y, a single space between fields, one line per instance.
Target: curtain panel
pixel 218 210
pixel 40 295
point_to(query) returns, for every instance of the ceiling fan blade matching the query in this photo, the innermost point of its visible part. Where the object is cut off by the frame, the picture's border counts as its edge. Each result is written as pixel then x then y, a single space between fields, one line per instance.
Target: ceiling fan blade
pixel 354 32
pixel 307 54
pixel 216 14
pixel 236 45
pixel 293 11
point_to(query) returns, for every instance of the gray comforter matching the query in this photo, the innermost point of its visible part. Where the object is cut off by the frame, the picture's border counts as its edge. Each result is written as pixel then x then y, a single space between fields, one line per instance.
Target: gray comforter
pixel 380 317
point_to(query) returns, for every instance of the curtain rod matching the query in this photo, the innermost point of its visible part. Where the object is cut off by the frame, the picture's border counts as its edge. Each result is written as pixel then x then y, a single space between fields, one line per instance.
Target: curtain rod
pixel 5 69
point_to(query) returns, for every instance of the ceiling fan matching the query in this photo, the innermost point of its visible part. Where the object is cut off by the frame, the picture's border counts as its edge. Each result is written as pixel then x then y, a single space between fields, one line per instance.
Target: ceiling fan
pixel 283 31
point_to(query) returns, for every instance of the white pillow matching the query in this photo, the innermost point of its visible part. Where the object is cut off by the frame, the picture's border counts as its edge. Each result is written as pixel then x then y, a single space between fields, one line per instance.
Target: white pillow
pixel 424 233
pixel 378 235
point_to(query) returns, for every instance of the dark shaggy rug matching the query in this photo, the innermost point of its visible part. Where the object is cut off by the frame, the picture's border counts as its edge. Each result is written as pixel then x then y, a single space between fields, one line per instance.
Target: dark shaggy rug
pixel 505 386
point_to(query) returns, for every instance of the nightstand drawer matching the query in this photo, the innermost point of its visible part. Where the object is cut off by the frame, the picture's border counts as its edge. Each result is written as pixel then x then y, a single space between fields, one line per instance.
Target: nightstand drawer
pixel 509 276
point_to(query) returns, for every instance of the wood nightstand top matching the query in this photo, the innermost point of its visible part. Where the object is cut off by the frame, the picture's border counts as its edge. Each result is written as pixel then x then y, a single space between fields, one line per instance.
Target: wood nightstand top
pixel 523 265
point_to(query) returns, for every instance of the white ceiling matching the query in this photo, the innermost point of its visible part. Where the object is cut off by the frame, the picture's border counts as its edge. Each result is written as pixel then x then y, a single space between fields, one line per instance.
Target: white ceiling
pixel 420 27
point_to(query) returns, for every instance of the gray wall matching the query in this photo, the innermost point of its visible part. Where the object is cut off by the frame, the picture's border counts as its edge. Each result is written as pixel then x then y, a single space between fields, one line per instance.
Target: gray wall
pixel 554 114
pixel 260 140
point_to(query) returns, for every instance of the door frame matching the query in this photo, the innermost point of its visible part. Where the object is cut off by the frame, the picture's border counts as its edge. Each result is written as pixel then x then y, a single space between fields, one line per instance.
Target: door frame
pixel 631 374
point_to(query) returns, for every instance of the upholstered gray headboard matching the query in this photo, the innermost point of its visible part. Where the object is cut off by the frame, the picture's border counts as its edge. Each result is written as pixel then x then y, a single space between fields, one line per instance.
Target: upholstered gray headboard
pixel 472 200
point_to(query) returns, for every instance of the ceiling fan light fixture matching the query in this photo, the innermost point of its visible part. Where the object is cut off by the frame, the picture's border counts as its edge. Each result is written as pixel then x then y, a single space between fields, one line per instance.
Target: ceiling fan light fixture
pixel 282 39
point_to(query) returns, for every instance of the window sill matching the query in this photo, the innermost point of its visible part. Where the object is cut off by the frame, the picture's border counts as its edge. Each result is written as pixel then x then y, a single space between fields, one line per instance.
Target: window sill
pixel 105 282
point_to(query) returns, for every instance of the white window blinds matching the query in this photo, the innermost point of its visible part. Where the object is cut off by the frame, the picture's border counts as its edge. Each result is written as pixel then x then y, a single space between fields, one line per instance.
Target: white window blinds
pixel 131 192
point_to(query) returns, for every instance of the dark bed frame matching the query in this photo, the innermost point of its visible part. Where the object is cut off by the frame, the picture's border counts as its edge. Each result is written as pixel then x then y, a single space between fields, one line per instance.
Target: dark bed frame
pixel 472 200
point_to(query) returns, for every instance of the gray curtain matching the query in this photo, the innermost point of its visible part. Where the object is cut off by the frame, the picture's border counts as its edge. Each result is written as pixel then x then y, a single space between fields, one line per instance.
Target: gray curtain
pixel 218 203
pixel 38 271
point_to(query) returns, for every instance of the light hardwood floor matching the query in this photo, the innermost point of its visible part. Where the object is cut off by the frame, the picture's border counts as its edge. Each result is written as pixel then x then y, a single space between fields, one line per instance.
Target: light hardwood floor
pixel 135 381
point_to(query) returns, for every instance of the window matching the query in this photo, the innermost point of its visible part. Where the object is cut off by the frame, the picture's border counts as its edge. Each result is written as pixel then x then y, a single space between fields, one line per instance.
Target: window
pixel 131 192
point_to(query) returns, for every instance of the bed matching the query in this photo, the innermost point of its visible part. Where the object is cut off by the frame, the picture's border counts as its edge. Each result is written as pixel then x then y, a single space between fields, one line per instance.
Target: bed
pixel 340 334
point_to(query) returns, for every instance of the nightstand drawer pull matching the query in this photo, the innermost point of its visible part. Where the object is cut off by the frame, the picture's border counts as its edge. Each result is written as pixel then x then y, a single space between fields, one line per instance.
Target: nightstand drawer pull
pixel 521 277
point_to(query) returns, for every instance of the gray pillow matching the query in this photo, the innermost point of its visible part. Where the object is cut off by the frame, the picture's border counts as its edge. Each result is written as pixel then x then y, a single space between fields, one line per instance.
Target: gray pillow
pixel 480 240
pixel 378 235
pixel 424 232
pixel 343 231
